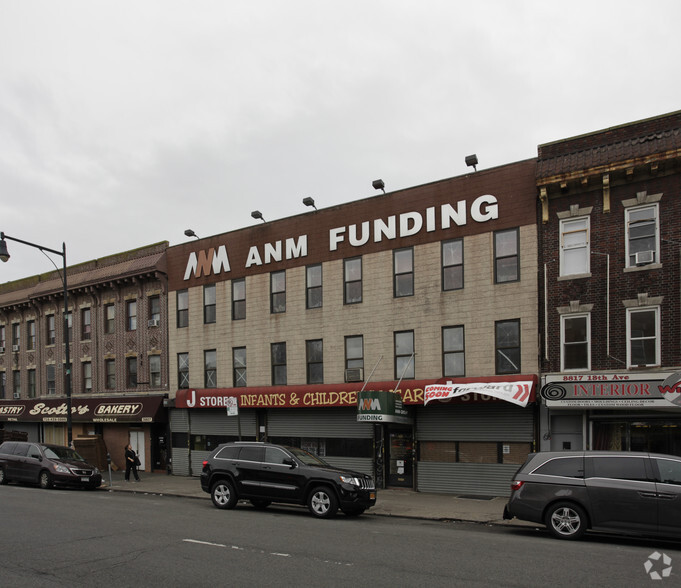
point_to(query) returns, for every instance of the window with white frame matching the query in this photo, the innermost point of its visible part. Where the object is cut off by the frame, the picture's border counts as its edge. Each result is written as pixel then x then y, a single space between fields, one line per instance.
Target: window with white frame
pixel 575 342
pixel 643 336
pixel 643 235
pixel 574 246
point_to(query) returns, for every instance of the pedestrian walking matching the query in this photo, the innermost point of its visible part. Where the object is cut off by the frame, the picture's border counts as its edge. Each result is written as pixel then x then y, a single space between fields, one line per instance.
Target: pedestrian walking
pixel 131 463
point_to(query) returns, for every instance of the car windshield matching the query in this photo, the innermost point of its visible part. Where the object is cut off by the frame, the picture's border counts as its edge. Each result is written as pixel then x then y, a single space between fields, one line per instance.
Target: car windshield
pixel 62 453
pixel 308 458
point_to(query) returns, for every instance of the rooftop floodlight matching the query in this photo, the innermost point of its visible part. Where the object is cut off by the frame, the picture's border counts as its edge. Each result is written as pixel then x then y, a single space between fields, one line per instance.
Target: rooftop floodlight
pixel 257 214
pixel 378 185
pixel 191 233
pixel 309 202
pixel 472 161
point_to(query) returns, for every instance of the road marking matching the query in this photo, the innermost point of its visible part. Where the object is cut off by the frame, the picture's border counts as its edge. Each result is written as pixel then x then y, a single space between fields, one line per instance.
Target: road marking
pixel 211 544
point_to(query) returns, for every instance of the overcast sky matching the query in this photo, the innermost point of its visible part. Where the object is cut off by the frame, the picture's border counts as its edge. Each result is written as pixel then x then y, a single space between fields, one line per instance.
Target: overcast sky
pixel 124 123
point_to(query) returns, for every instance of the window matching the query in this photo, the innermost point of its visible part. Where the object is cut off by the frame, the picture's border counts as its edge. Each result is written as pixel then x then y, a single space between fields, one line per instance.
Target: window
pixel 85 324
pixel 507 346
pixel 574 246
pixel 110 371
pixel 617 468
pixel 404 355
pixel 209 304
pixel 182 309
pixel 314 352
pixel 506 261
pixel 155 371
pixel 278 292
pixel 669 469
pixel 109 319
pixel 30 335
pixel 131 315
pixel 51 379
pixel 155 308
pixel 16 335
pixel 131 371
pixel 183 370
pixel 313 274
pixel 453 356
pixel 643 342
pixel 566 467
pixel 239 367
pixel 575 336
pixel 69 325
pixel 403 272
pixel 642 235
pixel 87 377
pixel 278 354
pixel 354 352
pixel 50 330
pixel 238 299
pixel 210 369
pixel 352 280
pixel 3 384
pixel 16 383
pixel 31 383
pixel 452 265
pixel 3 340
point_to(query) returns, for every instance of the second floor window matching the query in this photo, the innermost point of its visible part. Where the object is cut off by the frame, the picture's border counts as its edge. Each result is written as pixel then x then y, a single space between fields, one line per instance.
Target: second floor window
pixel 452 265
pixel 506 258
pixel 131 371
pixel 16 383
pixel 183 370
pixel 31 383
pixel 50 330
pixel 352 280
pixel 85 324
pixel 314 351
pixel 574 246
pixel 642 235
pixel 403 272
pixel 404 355
pixel 131 315
pixel 51 379
pixel 239 367
pixel 109 319
pixel 182 309
pixel 313 275
pixel 507 346
pixel 30 335
pixel 87 377
pixel 278 292
pixel 155 371
pixel 643 337
pixel 110 374
pixel 453 352
pixel 354 352
pixel 575 347
pixel 278 358
pixel 209 304
pixel 210 369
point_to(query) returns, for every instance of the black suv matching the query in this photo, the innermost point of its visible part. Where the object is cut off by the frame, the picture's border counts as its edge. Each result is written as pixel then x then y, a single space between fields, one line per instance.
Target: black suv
pixel 264 473
pixel 46 465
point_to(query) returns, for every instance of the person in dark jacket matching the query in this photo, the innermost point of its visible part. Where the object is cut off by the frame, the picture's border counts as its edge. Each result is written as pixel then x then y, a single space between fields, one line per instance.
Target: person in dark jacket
pixel 131 463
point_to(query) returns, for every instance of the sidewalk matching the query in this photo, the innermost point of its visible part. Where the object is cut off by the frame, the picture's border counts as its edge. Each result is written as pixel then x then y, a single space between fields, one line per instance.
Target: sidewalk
pixel 390 502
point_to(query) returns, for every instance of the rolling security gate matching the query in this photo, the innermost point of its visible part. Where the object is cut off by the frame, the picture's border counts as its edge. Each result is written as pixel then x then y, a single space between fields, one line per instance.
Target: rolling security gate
pixel 321 423
pixel 455 441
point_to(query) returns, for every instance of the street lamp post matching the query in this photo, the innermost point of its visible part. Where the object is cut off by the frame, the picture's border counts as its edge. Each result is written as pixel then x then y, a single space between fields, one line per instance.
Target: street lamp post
pixel 4 256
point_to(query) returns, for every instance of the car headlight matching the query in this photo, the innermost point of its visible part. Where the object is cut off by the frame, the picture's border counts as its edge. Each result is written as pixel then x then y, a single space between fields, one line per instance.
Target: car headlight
pixel 349 480
pixel 61 469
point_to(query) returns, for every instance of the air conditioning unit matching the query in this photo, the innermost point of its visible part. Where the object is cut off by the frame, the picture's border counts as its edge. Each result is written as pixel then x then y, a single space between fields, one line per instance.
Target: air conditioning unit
pixel 154 322
pixel 2 350
pixel 15 348
pixel 17 395
pixel 354 375
pixel 643 257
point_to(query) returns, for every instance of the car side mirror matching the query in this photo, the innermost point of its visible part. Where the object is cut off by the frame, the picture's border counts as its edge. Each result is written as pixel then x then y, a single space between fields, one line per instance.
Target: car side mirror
pixel 289 461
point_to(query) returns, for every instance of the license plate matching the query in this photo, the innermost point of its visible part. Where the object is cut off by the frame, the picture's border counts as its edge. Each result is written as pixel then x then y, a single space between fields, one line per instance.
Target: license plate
pixel 85 479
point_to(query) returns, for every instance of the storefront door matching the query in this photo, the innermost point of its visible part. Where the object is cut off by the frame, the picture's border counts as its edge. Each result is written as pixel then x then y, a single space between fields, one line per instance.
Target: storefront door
pixel 137 443
pixel 400 457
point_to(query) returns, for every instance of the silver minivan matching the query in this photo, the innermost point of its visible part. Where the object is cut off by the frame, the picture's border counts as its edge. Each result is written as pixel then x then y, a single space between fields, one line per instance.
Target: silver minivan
pixel 619 492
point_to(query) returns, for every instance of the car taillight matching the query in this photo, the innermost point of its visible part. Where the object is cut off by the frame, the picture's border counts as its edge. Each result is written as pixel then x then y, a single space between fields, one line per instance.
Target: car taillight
pixel 205 463
pixel 516 485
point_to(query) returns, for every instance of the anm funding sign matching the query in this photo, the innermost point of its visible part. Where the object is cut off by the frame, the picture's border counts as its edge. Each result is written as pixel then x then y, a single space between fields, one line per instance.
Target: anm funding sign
pixel 381 406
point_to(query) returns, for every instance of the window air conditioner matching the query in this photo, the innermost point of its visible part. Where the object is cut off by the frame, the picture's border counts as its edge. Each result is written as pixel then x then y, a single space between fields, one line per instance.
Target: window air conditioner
pixel 643 257
pixel 2 350
pixel 354 375
pixel 15 348
pixel 17 395
pixel 154 322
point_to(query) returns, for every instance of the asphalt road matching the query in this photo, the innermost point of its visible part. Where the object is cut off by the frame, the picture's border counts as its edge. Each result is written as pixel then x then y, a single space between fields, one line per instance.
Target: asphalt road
pixel 80 538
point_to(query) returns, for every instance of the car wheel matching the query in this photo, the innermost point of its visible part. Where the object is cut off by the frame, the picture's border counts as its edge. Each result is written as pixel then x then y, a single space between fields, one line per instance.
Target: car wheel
pixel 45 480
pixel 260 504
pixel 3 478
pixel 222 494
pixel 566 520
pixel 322 503
pixel 354 512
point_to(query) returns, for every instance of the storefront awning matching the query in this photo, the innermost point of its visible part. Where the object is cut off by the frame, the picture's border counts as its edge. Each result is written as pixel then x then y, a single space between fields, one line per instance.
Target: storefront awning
pixel 113 409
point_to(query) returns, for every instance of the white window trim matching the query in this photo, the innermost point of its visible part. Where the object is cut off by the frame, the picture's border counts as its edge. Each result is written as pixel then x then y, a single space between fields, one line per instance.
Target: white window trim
pixel 658 346
pixel 587 248
pixel 563 318
pixel 627 212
